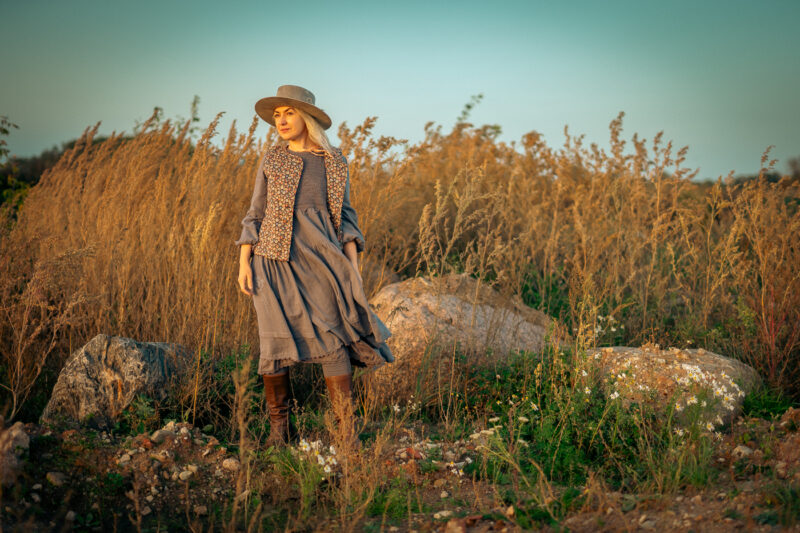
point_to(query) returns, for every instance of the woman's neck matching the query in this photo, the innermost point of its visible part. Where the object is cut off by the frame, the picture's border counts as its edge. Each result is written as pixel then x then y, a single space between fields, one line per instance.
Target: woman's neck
pixel 303 144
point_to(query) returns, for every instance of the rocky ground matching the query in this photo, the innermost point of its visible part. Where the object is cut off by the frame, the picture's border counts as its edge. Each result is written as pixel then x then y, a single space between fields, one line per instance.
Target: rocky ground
pixel 177 475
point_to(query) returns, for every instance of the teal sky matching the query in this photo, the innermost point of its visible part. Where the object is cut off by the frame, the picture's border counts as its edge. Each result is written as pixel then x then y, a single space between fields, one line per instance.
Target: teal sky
pixel 720 76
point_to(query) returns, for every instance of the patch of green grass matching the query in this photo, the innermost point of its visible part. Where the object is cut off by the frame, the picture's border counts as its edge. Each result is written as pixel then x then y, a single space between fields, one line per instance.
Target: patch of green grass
pixel 766 402
pixel 785 498
pixel 394 501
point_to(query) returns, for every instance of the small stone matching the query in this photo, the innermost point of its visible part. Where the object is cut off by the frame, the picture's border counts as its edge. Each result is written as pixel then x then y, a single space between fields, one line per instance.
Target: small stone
pixel 56 478
pixel 444 494
pixel 231 464
pixel 146 511
pixel 35 497
pixel 37 486
pixel 455 525
pixel 441 482
pixel 648 524
pixel 200 510
pixel 70 516
pixel 125 459
pixel 742 451
pixel 403 455
pixel 510 511
pixel 192 468
pixel 149 498
pixel 186 474
pixel 442 514
pixel 184 432
pixel 218 473
pixel 780 470
pixel 161 435
pixel 697 499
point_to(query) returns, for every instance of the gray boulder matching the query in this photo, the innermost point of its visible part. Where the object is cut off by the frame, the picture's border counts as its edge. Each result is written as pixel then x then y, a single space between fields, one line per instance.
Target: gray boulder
pixel 693 380
pixel 452 312
pixel 14 442
pixel 101 379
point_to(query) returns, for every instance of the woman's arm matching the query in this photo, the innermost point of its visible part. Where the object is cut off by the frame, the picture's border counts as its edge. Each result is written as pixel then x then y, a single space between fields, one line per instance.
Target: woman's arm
pixel 251 224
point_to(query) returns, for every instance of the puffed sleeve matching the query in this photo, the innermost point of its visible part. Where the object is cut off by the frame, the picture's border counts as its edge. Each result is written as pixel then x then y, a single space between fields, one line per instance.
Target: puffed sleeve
pixel 251 223
pixel 350 229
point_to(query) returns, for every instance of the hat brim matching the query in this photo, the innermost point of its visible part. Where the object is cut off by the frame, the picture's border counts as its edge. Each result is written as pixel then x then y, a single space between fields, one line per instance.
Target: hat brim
pixel 266 106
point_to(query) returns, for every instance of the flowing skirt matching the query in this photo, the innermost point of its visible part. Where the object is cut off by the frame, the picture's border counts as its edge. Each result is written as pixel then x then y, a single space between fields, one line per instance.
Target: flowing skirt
pixel 311 307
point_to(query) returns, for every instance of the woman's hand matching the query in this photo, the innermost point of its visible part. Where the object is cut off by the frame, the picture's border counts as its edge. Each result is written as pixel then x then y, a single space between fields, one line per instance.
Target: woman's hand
pixel 246 279
pixel 245 271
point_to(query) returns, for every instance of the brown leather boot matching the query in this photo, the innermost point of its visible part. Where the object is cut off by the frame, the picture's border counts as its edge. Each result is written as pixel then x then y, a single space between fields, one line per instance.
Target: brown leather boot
pixel 276 393
pixel 340 389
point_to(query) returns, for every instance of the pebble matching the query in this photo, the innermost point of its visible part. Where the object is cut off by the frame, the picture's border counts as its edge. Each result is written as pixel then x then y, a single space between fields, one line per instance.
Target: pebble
pixel 56 478
pixel 780 469
pixel 441 482
pixel 146 511
pixel 149 498
pixel 70 516
pixel 648 524
pixel 230 464
pixel 742 451
pixel 444 494
pixel 186 474
pixel 200 510
pixel 38 486
pixel 443 514
pixel 161 435
pixel 125 459
pixel 35 497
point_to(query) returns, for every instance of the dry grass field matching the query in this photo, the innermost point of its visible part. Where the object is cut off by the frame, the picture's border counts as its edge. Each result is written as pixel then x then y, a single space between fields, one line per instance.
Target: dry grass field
pixel 135 237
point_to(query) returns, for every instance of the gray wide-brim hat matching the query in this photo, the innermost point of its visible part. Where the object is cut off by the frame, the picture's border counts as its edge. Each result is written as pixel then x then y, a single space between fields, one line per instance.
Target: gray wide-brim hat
pixel 293 96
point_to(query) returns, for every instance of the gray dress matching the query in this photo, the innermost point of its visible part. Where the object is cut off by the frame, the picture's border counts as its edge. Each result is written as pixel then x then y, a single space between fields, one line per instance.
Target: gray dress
pixel 312 308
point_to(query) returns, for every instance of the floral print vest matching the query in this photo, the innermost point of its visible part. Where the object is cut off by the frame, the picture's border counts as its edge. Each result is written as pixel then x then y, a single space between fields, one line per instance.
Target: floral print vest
pixel 283 171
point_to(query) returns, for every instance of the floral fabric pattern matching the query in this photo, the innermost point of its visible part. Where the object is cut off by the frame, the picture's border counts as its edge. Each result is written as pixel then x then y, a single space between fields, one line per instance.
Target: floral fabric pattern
pixel 282 171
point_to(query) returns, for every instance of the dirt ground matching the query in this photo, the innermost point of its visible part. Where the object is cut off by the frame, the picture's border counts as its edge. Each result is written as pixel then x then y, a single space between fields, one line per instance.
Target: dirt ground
pixel 176 476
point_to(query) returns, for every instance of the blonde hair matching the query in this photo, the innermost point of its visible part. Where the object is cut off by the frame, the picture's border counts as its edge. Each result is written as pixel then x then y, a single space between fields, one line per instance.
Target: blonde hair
pixel 315 132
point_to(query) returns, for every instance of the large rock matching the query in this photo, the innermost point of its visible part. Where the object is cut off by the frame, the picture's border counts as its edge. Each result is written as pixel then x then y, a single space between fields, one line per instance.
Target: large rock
pixel 99 380
pixel 711 384
pixel 452 312
pixel 14 443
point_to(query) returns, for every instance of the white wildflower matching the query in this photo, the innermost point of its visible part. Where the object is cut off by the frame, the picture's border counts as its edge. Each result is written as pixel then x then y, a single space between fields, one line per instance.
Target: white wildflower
pixel 327 469
pixel 494 419
pixel 522 419
pixel 614 395
pixel 587 390
pixel 320 459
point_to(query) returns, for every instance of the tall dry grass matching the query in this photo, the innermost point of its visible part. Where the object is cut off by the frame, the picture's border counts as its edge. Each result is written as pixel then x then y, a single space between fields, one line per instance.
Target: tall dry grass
pixel 140 235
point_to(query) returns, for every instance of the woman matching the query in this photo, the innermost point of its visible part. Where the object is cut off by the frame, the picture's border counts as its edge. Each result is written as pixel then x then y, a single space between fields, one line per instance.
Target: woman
pixel 299 261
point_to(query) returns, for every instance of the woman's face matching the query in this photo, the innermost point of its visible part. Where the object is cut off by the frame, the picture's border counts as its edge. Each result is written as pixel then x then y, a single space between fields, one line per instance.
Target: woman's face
pixel 289 123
